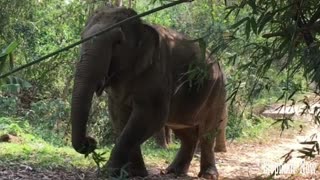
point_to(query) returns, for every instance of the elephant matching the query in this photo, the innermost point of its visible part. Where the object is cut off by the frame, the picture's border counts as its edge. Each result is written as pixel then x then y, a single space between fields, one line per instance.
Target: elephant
pixel 145 71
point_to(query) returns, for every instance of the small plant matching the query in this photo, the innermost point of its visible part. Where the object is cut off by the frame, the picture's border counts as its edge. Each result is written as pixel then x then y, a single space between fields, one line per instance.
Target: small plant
pixel 10 104
pixel 98 159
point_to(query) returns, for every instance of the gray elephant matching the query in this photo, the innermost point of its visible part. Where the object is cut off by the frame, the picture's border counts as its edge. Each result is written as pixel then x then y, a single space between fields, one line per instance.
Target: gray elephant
pixel 144 70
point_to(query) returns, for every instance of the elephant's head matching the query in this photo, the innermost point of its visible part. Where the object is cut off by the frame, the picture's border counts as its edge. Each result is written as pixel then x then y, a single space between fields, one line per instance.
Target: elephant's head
pixel 117 51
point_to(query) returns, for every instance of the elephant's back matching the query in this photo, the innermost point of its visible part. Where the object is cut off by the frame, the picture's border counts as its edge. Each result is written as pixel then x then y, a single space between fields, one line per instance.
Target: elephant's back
pixel 181 48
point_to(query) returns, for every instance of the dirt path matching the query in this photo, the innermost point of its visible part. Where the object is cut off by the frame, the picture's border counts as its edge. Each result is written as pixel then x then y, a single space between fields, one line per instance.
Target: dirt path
pixel 247 161
pixel 242 161
pixel 257 160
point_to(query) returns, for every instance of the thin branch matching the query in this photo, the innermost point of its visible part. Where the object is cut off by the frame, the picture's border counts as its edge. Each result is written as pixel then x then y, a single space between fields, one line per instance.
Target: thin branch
pixel 94 35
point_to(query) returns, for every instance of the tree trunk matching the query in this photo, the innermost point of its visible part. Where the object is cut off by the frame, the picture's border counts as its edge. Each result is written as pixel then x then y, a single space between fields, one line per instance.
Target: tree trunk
pixel 130 4
pixel 118 3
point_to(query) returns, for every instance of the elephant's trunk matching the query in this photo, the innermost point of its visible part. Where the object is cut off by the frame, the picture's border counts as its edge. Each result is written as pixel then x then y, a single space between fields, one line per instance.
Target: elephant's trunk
pixel 90 71
pixel 80 106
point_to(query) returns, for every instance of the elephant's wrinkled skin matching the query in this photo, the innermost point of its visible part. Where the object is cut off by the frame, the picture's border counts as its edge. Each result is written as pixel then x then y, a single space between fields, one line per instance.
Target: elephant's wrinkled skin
pixel 143 69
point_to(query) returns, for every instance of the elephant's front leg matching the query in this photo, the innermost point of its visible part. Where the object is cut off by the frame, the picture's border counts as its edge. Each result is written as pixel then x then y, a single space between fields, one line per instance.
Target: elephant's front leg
pixel 147 117
pixel 119 114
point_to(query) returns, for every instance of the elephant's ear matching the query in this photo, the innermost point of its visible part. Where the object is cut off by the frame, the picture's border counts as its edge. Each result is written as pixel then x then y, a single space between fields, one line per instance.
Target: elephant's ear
pixel 148 48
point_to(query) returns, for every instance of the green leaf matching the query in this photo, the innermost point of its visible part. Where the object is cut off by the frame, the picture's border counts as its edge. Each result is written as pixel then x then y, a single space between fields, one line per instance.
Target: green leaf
pixel 232 59
pixel 253 25
pixel 11 88
pixel 5 53
pixel 231 9
pixel 3 57
pixel 23 83
pixel 267 18
pixel 243 3
pixel 237 24
pixel 203 47
pixel 15 84
pixel 261 17
pixel 12 46
pixel 11 63
pixel 252 4
pixel 2 63
pixel 247 31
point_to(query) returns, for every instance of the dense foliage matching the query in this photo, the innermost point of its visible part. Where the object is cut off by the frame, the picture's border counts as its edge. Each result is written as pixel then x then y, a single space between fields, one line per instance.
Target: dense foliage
pixel 281 37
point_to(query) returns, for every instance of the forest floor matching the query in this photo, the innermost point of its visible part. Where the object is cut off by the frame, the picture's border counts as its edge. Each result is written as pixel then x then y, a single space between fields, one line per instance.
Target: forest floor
pixel 245 159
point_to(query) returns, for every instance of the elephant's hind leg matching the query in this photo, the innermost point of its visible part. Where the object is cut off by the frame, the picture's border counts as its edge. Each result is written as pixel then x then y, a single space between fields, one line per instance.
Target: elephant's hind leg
pixel 220 145
pixel 189 139
pixel 208 169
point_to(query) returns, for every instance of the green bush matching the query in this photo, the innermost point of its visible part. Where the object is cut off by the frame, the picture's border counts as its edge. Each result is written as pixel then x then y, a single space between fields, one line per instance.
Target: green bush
pixel 8 105
pixel 14 126
pixel 235 125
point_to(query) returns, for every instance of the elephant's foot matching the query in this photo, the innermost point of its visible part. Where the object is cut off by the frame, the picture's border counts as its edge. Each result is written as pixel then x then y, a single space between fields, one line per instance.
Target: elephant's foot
pixel 137 170
pixel 124 172
pixel 129 169
pixel 112 170
pixel 107 171
pixel 177 169
pixel 209 173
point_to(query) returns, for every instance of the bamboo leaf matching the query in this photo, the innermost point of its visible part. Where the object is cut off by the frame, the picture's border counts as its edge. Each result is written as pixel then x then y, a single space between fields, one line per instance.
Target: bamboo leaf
pixel 203 47
pixel 248 28
pixel 237 24
pixel 9 49
pixel 253 25
pixel 267 18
